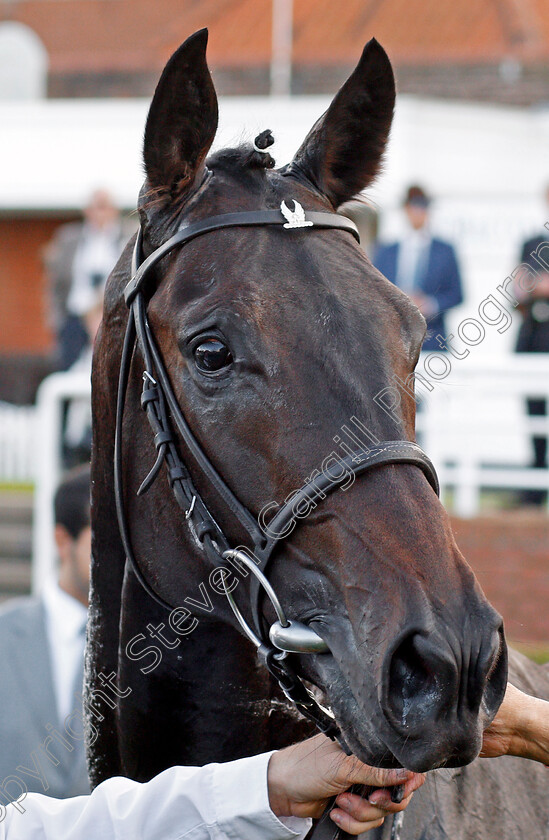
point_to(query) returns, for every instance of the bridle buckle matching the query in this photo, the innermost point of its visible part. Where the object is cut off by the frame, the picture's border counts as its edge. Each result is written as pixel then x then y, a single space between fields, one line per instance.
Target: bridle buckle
pixel 189 511
pixel 147 377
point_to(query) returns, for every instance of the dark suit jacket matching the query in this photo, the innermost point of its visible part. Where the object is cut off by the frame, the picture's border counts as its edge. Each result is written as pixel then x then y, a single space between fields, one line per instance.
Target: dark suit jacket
pixel 441 280
pixel 531 245
pixel 533 335
pixel 28 706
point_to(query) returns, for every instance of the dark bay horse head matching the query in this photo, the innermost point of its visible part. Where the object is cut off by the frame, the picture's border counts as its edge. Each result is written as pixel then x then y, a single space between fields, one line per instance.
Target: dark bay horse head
pixel 277 343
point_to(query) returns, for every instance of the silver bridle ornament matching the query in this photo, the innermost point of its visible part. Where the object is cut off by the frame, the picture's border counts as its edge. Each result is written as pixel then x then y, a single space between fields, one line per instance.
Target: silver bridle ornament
pixel 294 218
pixel 287 636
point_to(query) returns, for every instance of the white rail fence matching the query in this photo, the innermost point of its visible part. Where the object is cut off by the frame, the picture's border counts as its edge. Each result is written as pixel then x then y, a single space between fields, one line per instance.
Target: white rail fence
pixel 475 427
pixel 17 432
pixel 473 424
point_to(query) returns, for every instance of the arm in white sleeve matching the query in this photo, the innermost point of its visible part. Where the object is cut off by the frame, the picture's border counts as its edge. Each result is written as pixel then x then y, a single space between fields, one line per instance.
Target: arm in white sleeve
pixel 214 802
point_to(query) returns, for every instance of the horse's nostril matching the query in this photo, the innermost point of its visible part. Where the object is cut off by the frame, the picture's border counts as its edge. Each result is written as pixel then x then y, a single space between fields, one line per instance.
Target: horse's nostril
pixel 426 683
pixel 420 679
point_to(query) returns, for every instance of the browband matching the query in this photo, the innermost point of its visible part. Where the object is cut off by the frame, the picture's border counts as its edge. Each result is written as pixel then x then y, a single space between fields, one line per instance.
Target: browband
pixel 260 218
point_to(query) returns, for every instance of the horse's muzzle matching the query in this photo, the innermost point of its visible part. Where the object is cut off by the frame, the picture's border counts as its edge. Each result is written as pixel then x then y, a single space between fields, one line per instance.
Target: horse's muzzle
pixel 438 699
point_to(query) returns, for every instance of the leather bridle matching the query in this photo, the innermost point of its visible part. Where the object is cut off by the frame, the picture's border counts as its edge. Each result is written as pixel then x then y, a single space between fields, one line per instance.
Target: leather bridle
pixel 165 417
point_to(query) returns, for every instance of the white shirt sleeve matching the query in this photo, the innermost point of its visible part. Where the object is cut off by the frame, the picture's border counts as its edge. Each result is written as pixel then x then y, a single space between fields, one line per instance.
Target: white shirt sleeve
pixel 214 802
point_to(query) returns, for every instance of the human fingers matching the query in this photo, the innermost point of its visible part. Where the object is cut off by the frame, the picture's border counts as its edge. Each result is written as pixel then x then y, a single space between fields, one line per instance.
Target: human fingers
pixel 351 770
pixel 389 807
pixel 356 815
pixel 363 809
pixel 381 797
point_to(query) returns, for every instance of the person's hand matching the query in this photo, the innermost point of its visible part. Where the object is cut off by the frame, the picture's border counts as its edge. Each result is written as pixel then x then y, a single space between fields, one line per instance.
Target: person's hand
pixel 521 727
pixel 427 305
pixel 303 777
pixel 419 299
pixel 541 289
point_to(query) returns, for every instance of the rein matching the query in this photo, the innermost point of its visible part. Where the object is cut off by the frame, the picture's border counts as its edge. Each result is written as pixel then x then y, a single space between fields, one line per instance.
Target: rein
pixel 162 409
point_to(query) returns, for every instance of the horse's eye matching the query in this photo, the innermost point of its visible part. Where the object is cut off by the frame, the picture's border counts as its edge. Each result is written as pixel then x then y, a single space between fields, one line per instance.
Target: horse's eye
pixel 212 355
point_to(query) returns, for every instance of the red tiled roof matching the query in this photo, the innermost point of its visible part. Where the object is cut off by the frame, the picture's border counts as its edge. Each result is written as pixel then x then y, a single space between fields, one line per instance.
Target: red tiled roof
pixel 141 34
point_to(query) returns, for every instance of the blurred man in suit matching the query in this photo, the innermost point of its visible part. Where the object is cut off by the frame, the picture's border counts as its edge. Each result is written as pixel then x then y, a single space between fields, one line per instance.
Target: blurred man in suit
pixel 42 651
pixel 78 261
pixel 424 267
pixel 533 337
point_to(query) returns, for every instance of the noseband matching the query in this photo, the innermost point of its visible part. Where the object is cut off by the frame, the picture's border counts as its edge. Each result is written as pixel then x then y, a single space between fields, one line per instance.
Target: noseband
pixel 163 410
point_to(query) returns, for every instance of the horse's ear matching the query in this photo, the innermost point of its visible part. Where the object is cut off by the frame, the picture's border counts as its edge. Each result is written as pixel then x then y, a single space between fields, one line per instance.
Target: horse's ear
pixel 182 119
pixel 342 153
